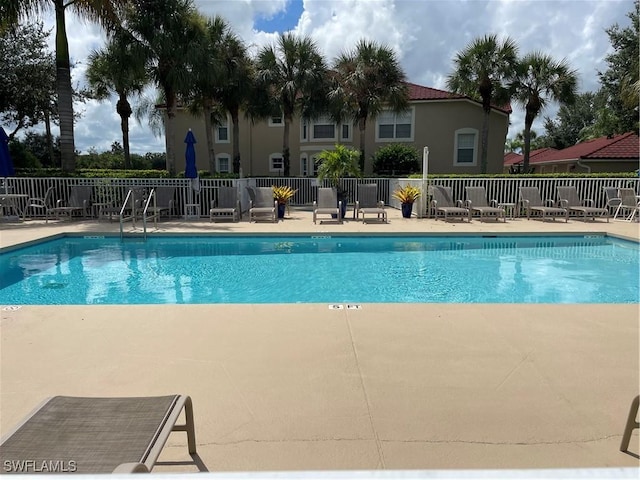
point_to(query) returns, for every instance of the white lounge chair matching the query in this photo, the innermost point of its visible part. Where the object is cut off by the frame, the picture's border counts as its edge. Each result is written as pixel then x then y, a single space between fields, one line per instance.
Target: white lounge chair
pixel 629 204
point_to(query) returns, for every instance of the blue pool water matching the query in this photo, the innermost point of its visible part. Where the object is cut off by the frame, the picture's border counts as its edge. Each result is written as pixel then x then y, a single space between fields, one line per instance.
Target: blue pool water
pixel 348 269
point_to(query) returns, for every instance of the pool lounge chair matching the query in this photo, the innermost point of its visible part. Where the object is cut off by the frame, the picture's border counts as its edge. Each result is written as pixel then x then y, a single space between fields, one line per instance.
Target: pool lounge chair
pixel 164 201
pixel 568 198
pixel 79 202
pixel 613 199
pixel 532 202
pixel 96 435
pixel 262 203
pixel 477 202
pixel 41 205
pixel 442 203
pixel 226 205
pixel 327 204
pixel 368 203
pixel 629 204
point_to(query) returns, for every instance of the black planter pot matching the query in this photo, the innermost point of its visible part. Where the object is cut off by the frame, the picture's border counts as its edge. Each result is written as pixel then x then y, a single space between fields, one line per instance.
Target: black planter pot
pixel 281 209
pixel 407 208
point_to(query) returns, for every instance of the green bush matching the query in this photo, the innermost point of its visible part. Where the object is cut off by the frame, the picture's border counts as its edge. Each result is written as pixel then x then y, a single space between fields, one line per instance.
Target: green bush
pixel 396 160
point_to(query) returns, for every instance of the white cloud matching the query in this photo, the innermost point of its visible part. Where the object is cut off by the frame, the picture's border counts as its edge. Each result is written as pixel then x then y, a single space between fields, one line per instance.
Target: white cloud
pixel 425 35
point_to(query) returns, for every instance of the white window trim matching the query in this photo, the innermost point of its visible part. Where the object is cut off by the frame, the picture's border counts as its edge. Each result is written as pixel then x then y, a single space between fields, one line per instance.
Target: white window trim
pixel 271 157
pixel 272 124
pixel 221 156
pixel 412 112
pixel 464 131
pixel 215 128
pixel 304 122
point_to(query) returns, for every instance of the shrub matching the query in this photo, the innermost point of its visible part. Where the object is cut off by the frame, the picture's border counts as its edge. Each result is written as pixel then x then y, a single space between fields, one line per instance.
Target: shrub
pixel 396 160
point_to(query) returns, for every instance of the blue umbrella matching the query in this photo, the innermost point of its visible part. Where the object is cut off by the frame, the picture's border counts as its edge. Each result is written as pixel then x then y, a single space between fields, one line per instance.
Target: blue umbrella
pixel 190 170
pixel 6 165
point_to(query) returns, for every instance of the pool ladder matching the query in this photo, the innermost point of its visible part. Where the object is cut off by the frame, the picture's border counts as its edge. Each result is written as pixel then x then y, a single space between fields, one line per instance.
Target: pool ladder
pixel 138 205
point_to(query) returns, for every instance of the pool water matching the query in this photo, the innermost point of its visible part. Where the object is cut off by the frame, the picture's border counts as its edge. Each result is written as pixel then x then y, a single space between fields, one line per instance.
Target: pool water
pixel 343 269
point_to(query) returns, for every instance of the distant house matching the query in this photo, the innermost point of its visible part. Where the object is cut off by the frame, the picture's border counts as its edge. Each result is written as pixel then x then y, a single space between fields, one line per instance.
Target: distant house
pixel 449 124
pixel 619 153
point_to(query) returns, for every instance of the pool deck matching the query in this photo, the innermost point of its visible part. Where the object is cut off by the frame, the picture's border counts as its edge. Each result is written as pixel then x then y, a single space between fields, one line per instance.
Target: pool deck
pixel 387 386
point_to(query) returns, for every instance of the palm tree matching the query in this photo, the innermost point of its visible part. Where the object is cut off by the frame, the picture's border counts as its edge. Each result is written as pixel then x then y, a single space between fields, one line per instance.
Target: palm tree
pixel 540 79
pixel 166 30
pixel 482 71
pixel 367 80
pixel 115 69
pixel 293 75
pixel 103 11
pixel 235 90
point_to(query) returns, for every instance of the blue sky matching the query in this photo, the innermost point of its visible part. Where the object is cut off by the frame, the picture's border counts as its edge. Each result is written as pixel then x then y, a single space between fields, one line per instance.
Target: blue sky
pixel 282 21
pixel 425 34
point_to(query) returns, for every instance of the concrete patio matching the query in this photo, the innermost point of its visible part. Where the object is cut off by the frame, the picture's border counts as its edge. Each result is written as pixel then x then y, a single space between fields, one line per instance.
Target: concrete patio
pixel 302 387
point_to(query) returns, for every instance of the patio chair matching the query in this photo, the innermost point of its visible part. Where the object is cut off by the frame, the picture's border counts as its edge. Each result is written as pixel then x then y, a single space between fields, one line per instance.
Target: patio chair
pixel 629 204
pixel 41 205
pixel 477 202
pixel 79 202
pixel 226 205
pixel 631 425
pixel 568 198
pixel 532 202
pixel 368 203
pixel 262 203
pixel 164 202
pixel 613 199
pixel 327 204
pixel 96 435
pixel 442 203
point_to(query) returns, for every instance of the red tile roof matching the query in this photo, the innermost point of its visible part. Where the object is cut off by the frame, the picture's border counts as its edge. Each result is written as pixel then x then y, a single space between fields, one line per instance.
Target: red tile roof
pixel 619 146
pixel 513 158
pixel 418 92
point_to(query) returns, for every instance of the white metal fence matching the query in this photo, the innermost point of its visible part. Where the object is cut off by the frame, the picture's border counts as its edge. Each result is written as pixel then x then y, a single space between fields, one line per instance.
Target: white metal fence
pixel 504 190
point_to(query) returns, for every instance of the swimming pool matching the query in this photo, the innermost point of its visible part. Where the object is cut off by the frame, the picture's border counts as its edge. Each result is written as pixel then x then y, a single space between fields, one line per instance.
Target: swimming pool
pixel 318 269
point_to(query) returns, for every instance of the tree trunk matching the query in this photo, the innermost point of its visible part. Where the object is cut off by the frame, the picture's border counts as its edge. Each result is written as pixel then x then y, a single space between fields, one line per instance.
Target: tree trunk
pixel 63 88
pixel 170 131
pixel 124 110
pixel 530 115
pixel 484 141
pixel 236 141
pixel 362 127
pixel 49 137
pixel 208 127
pixel 286 160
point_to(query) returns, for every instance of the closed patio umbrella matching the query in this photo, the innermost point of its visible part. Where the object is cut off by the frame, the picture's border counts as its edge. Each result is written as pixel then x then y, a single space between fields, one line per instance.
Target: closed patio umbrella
pixel 6 164
pixel 190 170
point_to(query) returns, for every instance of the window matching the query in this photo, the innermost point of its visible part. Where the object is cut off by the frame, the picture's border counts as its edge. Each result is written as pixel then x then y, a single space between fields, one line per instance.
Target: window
pixel 224 163
pixel 304 165
pixel 276 121
pixel 392 126
pixel 276 162
pixel 304 129
pixel 324 129
pixel 346 132
pixel 466 147
pixel 222 132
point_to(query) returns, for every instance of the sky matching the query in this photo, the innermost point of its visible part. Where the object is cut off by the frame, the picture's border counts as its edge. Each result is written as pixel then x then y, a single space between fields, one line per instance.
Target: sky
pixel 425 35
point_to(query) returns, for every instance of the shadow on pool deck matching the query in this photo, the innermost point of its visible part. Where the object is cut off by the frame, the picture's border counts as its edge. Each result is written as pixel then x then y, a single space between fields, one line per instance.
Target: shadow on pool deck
pixel 303 387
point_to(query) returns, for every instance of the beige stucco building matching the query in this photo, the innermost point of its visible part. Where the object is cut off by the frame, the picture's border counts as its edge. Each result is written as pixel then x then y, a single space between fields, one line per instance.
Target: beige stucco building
pixel 449 124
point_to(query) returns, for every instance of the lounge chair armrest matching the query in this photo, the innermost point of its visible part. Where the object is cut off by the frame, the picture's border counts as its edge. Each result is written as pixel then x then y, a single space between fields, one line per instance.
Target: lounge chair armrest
pixel 549 202
pixel 587 202
pixel 434 203
pixel 494 203
pixel 131 467
pixel 380 204
pixel 468 203
pixel 315 204
pixel 459 203
pixel 563 203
